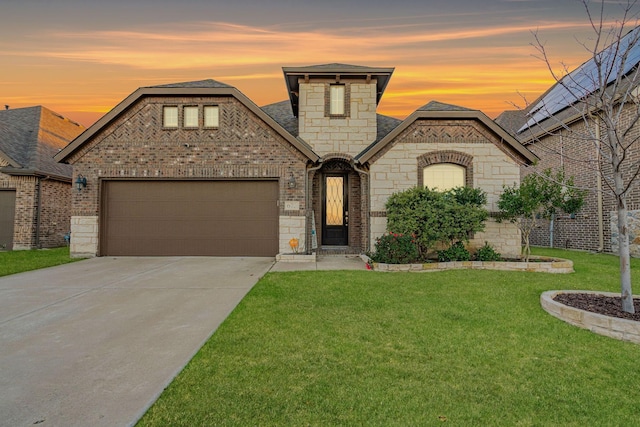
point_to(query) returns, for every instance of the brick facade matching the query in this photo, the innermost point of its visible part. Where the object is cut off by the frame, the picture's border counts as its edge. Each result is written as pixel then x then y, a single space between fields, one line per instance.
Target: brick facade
pixel 579 159
pixel 136 146
pixel 36 227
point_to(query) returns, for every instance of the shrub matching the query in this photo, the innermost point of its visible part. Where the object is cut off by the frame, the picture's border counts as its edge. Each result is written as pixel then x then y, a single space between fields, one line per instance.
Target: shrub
pixel 395 248
pixel 487 253
pixel 456 252
pixel 436 217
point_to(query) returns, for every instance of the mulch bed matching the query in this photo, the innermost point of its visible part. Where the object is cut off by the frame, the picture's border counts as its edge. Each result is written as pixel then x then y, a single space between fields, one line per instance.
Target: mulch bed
pixel 608 306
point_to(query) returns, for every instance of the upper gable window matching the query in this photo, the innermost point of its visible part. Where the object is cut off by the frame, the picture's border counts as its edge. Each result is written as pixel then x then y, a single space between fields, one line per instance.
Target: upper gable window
pixel 170 117
pixel 211 116
pixel 336 100
pixel 444 176
pixel 190 116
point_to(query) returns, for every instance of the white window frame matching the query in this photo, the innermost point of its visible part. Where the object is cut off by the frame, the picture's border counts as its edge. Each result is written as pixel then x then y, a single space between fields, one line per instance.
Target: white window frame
pixel 190 116
pixel 211 115
pixel 170 116
pixel 337 96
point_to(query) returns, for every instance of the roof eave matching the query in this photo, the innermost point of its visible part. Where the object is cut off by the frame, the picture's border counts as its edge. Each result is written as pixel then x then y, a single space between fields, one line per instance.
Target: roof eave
pixel 34 172
pixel 525 153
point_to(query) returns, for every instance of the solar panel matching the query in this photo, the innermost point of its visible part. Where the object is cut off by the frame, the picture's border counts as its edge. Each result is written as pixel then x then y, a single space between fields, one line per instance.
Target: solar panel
pixel 585 80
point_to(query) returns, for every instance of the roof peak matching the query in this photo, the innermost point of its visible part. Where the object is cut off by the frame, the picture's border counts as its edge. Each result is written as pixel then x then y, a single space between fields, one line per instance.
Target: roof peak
pixel 441 106
pixel 207 83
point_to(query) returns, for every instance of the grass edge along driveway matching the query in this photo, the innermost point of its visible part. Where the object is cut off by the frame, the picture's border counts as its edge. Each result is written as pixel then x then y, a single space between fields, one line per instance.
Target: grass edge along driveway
pixel 12 262
pixel 366 348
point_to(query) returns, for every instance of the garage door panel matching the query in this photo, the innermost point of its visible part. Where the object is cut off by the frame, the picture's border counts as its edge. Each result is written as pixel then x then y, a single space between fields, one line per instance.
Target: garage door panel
pixel 214 218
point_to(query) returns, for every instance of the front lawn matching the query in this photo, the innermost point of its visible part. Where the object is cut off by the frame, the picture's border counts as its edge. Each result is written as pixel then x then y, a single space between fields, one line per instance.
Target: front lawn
pixel 13 262
pixel 368 348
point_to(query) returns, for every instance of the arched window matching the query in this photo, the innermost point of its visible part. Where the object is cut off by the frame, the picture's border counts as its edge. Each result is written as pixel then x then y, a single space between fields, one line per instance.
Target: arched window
pixel 443 176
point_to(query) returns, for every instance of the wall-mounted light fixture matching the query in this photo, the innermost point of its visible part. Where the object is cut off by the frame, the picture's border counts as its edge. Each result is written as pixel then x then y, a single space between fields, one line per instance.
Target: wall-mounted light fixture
pixel 81 182
pixel 292 180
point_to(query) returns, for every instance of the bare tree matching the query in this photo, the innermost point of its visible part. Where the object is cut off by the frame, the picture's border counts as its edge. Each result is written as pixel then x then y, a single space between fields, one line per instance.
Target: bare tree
pixel 599 104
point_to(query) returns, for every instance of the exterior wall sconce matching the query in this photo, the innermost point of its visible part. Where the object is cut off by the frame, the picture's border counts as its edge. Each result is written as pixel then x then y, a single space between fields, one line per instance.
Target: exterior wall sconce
pixel 81 182
pixel 291 181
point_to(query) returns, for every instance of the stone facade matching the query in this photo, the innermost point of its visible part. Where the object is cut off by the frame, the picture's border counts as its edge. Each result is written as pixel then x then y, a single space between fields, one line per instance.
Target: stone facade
pixel 348 134
pixel 489 167
pixel 136 146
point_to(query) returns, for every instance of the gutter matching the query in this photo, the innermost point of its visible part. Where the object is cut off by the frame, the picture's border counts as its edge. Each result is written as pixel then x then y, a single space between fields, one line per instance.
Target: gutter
pixel 34 172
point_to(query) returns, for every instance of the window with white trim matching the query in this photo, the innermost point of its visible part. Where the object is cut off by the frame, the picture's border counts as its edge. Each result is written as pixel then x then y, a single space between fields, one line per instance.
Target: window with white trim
pixel 336 100
pixel 190 116
pixel 444 176
pixel 170 117
pixel 211 116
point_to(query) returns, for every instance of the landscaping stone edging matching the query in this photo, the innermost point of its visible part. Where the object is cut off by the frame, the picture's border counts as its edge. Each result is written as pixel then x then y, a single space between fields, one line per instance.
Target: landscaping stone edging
pixel 613 327
pixel 556 265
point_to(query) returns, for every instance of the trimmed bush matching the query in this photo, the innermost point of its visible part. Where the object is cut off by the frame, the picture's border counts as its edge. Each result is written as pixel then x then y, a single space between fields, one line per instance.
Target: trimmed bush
pixel 487 253
pixel 456 252
pixel 395 248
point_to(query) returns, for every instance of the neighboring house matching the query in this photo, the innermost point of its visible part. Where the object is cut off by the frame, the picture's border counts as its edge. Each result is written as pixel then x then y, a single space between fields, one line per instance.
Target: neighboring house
pixel 35 190
pixel 553 127
pixel 198 169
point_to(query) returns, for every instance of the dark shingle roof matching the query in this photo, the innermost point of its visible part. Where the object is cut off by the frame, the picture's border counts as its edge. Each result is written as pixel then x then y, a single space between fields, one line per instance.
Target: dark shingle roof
pixel 203 84
pixel 441 106
pixel 282 113
pixel 511 120
pixel 31 136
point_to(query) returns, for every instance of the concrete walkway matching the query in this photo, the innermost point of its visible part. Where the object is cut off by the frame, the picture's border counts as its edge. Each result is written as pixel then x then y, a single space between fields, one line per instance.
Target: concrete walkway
pixel 323 262
pixel 94 343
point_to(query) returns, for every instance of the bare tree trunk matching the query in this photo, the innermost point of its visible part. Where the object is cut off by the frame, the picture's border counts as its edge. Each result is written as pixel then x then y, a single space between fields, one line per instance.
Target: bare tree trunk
pixel 624 255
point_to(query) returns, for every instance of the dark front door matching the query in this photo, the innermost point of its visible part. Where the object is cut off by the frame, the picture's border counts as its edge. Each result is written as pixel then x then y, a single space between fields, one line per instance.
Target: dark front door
pixel 335 214
pixel 7 214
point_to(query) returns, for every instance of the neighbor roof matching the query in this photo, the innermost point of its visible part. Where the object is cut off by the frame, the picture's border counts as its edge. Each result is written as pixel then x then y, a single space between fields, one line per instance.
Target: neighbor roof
pixel 619 58
pixel 334 71
pixel 31 137
pixel 439 110
pixel 196 88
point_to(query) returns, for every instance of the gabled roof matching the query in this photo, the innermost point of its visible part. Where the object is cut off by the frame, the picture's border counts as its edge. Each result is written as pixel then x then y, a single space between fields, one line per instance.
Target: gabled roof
pixel 196 88
pixel 438 110
pixel 619 58
pixel 31 137
pixel 335 71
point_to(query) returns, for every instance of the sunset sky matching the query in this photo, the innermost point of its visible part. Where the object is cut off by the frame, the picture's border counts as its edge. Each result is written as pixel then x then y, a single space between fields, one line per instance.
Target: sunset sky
pixel 81 58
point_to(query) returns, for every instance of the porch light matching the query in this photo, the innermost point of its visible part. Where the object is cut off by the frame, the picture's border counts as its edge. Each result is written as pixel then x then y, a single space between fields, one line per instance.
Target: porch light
pixel 292 180
pixel 81 182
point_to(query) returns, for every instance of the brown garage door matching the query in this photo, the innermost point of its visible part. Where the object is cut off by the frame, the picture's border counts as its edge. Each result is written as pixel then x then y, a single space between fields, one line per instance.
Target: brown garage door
pixel 7 214
pixel 189 218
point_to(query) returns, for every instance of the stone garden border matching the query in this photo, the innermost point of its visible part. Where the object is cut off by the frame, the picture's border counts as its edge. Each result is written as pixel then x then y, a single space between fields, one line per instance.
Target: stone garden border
pixel 553 265
pixel 613 327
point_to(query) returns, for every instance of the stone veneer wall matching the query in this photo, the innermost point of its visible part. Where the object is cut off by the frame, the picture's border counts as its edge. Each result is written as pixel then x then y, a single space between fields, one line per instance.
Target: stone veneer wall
pixel 349 134
pixel 135 146
pixel 397 167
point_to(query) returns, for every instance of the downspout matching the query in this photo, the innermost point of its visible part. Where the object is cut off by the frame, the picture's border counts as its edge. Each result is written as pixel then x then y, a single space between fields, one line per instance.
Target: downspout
pixel 309 208
pixel 368 213
pixel 553 217
pixel 599 192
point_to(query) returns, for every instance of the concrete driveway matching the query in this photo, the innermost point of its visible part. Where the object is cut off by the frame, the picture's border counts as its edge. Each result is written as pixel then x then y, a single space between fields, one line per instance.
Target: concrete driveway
pixel 94 343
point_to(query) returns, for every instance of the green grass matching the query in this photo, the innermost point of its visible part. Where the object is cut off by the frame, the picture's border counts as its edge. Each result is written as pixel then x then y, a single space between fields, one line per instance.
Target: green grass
pixel 368 348
pixel 13 262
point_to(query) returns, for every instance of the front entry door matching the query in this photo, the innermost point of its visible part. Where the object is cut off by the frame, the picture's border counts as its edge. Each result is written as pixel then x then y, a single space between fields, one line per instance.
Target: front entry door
pixel 335 214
